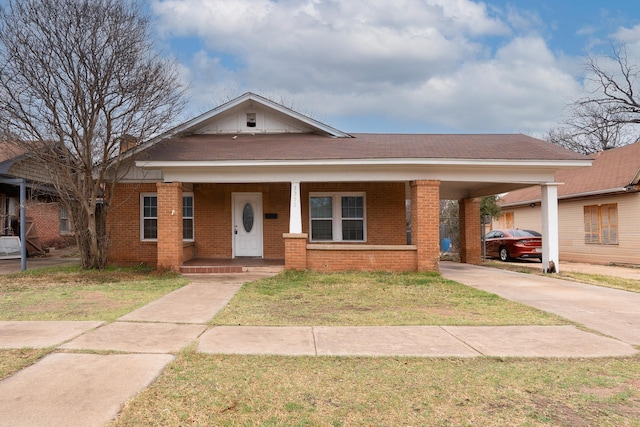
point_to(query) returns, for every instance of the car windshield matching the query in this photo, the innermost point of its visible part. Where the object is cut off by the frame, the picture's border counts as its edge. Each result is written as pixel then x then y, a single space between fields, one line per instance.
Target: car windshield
pixel 524 233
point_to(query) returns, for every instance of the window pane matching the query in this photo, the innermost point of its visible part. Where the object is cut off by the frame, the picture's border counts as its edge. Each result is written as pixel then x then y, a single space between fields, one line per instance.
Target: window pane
pixel 321 229
pixel 187 206
pixel 352 207
pixel 150 229
pixel 150 207
pixel 187 228
pixel 352 229
pixel 321 207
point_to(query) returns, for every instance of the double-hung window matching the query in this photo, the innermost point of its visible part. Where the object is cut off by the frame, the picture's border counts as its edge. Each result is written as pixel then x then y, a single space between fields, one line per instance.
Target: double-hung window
pixel 187 216
pixel 149 216
pixel 337 217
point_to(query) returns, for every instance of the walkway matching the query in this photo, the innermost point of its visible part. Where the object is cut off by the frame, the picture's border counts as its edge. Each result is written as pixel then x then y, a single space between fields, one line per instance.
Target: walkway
pixel 76 386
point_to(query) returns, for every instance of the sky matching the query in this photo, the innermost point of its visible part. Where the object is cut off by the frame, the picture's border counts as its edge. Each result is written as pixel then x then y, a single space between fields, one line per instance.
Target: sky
pixel 398 66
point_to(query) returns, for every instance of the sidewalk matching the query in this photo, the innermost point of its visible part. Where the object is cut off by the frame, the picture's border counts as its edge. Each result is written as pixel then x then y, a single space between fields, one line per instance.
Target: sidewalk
pixel 87 389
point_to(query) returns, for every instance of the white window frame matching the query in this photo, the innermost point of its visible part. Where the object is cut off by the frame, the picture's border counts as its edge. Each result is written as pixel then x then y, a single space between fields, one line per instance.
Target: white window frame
pixel 336 207
pixel 192 217
pixel 142 217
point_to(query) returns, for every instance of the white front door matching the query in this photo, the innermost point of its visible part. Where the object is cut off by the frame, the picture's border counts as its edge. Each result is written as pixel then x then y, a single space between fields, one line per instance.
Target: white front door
pixel 247 224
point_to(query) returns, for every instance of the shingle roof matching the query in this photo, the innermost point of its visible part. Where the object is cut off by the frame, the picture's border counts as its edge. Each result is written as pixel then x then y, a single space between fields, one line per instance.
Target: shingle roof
pixel 362 146
pixel 611 170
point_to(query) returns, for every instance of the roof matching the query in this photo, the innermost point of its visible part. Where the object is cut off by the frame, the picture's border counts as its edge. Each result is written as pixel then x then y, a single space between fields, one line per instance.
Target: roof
pixel 267 147
pixel 9 155
pixel 612 171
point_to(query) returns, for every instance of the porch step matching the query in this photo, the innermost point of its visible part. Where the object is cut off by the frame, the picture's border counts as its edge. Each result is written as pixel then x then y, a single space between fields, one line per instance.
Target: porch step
pixel 228 269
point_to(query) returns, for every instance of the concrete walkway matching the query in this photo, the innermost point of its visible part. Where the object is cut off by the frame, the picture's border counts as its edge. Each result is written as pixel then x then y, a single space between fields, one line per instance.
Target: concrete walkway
pixel 87 389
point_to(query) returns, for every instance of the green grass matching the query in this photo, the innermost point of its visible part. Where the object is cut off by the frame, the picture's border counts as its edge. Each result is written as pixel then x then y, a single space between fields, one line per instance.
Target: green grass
pixel 203 390
pixel 372 299
pixel 67 293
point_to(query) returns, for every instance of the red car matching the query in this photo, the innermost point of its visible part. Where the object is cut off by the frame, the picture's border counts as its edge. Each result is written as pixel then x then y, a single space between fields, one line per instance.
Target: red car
pixel 513 243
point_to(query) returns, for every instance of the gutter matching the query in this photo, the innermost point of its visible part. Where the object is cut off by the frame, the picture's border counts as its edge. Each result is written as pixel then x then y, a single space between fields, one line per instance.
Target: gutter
pixel 626 189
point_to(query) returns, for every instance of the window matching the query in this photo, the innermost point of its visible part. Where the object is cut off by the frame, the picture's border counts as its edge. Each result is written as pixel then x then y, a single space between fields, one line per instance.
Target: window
pixel 187 216
pixel 65 226
pixel 601 224
pixel 337 217
pixel 149 208
pixel 149 214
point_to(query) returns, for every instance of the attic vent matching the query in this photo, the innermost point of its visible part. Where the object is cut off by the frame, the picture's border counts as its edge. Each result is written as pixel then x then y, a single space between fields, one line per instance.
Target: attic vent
pixel 251 120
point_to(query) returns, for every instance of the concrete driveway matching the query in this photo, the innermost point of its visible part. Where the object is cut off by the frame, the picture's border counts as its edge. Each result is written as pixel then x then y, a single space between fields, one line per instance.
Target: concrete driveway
pixel 612 312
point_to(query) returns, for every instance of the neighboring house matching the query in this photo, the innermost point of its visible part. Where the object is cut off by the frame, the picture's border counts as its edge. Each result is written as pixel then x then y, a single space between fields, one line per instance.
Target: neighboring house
pixel 254 179
pixel 47 224
pixel 599 209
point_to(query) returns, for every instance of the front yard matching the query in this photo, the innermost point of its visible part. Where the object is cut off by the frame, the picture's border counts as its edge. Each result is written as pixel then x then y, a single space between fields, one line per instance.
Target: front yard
pixel 202 390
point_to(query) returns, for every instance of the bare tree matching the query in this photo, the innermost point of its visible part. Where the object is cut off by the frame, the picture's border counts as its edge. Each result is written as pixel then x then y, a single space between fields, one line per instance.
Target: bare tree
pixel 77 78
pixel 609 115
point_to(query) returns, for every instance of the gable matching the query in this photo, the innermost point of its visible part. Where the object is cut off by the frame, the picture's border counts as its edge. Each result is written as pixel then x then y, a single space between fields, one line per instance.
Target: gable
pixel 251 118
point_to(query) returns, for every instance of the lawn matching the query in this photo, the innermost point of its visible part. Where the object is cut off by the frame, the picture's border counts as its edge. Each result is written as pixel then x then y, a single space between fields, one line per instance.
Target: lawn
pixel 372 299
pixel 66 293
pixel 203 390
pixel 207 390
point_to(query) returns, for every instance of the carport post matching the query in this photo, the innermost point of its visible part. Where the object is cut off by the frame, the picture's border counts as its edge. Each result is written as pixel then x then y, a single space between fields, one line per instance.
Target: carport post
pixel 550 241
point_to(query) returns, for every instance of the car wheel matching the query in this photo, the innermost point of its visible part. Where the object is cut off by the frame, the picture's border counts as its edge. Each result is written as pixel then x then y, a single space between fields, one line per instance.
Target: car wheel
pixel 504 254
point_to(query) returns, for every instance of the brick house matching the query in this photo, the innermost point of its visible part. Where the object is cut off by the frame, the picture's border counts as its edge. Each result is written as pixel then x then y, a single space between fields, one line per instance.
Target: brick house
pixel 252 179
pixel 47 222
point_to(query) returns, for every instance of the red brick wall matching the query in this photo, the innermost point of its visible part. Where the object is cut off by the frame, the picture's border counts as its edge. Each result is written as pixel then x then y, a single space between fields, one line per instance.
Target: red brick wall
pixel 295 251
pixel 213 222
pixel 170 246
pixel 470 243
pixel 46 218
pixel 123 227
pixel 361 260
pixel 425 221
pixel 385 210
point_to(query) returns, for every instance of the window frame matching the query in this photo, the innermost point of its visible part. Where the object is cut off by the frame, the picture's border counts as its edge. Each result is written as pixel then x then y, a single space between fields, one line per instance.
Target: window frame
pixel 64 218
pixel 594 226
pixel 192 217
pixel 143 217
pixel 336 216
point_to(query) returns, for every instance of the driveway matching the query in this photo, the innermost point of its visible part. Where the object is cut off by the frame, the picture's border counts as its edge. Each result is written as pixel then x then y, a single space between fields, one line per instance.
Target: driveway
pixel 612 312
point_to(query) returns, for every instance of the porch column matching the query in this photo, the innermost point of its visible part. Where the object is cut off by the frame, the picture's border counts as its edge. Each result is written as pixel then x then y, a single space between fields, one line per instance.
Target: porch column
pixel 295 241
pixel 169 225
pixel 470 231
pixel 425 223
pixel 295 209
pixel 550 241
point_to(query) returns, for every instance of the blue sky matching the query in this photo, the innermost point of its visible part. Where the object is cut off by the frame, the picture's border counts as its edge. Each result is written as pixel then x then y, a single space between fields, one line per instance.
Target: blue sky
pixel 419 66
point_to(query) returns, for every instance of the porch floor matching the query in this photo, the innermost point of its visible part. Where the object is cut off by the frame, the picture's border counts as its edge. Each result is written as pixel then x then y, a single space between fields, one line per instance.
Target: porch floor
pixel 231 265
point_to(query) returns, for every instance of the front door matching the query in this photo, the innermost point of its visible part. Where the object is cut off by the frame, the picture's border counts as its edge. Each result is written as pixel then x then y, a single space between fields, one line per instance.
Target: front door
pixel 247 224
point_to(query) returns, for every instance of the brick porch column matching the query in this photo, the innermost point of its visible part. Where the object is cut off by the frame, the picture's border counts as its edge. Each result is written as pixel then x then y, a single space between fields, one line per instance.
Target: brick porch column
pixel 295 251
pixel 470 231
pixel 425 223
pixel 169 225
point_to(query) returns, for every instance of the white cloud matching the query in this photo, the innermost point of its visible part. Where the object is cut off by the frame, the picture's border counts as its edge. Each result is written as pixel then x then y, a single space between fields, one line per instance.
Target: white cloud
pixel 421 61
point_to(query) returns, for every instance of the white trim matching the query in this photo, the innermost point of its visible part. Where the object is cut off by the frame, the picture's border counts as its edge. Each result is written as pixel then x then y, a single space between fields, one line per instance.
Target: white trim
pixel 336 216
pixel 158 164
